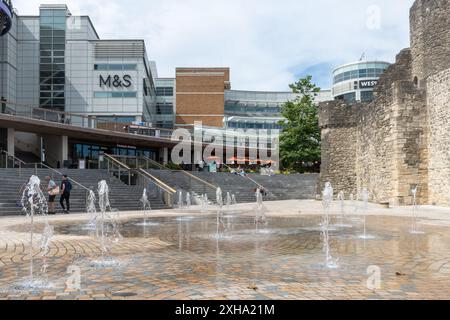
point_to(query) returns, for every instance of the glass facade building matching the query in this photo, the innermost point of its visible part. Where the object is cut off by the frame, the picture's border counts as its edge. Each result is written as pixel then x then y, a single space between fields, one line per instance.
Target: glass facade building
pixel 355 81
pixel 52 51
pixel 258 109
pixel 57 61
pixel 165 108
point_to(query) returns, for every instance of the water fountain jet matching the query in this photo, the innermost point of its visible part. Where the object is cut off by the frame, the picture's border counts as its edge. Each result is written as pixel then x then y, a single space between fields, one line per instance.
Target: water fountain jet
pixel 327 200
pixel 414 217
pixel 35 203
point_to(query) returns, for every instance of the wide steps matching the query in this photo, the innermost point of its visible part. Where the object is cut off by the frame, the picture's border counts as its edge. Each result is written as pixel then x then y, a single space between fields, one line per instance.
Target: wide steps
pixel 122 196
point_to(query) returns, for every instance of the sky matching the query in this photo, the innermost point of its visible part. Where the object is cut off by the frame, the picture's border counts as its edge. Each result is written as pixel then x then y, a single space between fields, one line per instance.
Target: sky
pixel 268 44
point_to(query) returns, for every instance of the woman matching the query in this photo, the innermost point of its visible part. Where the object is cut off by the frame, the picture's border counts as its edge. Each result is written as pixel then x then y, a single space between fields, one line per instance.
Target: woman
pixel 53 190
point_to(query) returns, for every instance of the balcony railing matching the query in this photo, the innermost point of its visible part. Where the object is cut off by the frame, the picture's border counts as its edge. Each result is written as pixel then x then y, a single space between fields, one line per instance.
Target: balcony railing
pixel 83 121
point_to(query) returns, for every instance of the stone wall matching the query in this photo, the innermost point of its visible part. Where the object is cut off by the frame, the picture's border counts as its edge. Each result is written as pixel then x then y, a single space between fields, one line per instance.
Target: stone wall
pixel 401 139
pixel 438 101
pixel 381 145
pixel 430 38
pixel 392 145
pixel 338 123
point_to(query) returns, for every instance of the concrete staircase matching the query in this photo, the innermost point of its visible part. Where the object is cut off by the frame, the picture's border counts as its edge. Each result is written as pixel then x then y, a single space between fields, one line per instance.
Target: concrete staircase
pixel 281 187
pixel 122 196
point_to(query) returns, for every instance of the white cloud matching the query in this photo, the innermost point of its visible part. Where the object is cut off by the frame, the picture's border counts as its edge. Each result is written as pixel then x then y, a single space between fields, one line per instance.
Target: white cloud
pixel 266 43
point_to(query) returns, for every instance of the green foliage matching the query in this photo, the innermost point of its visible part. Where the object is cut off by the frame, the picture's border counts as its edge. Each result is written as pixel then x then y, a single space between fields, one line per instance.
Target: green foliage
pixel 300 137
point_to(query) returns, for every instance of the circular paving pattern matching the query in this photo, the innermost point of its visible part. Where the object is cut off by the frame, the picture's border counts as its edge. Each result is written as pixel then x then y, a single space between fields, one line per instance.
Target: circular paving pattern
pixel 191 258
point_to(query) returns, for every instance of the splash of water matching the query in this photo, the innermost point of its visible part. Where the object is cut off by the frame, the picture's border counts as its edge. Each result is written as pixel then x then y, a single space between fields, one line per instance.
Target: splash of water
pixel 146 207
pixel 365 198
pixel 91 210
pixel 342 223
pixel 327 200
pixel 204 203
pixel 233 200
pixel 260 216
pixel 180 200
pixel 228 201
pixel 106 223
pixel 219 200
pixel 188 200
pixel 34 203
pixel 414 218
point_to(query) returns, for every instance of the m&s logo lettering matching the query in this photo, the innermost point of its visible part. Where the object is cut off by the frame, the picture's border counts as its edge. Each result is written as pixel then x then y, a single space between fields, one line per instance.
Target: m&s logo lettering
pixel 116 81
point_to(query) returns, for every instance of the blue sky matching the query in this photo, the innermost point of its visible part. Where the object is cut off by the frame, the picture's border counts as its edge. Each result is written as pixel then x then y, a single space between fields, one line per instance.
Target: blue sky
pixel 266 43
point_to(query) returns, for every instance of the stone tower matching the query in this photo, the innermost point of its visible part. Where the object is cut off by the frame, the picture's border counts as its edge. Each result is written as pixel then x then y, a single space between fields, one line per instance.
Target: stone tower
pixel 430 38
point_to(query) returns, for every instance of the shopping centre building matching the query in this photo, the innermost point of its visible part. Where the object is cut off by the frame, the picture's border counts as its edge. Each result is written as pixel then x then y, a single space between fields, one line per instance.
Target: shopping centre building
pixel 356 81
pixel 56 61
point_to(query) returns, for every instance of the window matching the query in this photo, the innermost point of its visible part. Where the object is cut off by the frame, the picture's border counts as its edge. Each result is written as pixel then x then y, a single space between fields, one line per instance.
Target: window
pixel 366 96
pixel 164 108
pixel 164 91
pixel 115 67
pixel 52 52
pixel 115 94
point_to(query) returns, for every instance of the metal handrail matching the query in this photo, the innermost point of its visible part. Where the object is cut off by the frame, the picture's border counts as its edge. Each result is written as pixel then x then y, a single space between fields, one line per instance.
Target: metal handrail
pixel 143 173
pixel 14 157
pixel 109 157
pixel 183 171
pixel 23 163
pixel 156 163
pixel 60 173
pixel 198 179
pixel 119 165
pixel 246 176
pixel 159 183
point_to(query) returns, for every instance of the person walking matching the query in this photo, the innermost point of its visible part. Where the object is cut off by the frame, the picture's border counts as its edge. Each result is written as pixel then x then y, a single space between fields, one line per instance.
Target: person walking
pixel 66 188
pixel 53 190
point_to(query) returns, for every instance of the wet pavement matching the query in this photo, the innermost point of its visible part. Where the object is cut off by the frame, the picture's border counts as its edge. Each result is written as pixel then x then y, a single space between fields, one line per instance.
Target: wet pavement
pixel 188 257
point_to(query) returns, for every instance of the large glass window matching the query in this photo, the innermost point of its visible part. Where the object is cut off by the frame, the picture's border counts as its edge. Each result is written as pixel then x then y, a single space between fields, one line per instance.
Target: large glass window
pixel 372 71
pixel 164 108
pixel 80 151
pixel 52 62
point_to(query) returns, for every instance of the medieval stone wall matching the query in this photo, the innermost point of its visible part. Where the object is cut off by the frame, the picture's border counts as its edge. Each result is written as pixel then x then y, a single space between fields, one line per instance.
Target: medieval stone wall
pixel 430 38
pixel 438 101
pixel 338 123
pixel 401 139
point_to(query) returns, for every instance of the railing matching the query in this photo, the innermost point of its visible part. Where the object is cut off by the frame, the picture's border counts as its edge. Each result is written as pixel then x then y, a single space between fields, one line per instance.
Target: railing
pixel 187 173
pixel 7 160
pixel 114 167
pixel 147 163
pixel 20 164
pixel 84 121
pixel 137 175
pixel 164 192
pixel 247 177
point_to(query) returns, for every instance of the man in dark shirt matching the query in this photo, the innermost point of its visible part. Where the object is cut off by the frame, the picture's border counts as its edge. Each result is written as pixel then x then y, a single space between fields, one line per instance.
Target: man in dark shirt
pixel 66 188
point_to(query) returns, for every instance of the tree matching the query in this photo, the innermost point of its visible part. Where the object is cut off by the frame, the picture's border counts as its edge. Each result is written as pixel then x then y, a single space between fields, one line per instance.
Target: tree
pixel 300 136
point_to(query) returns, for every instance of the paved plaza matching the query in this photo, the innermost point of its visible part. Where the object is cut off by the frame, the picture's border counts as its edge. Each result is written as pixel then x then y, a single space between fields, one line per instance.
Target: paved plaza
pixel 185 255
